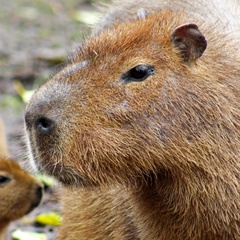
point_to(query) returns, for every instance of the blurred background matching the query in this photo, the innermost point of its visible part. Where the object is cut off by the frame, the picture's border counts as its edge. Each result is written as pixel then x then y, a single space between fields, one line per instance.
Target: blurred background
pixel 35 38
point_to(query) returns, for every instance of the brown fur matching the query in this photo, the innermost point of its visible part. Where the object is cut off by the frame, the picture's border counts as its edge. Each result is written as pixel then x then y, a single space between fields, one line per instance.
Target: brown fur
pixel 20 193
pixel 155 159
pixel 102 215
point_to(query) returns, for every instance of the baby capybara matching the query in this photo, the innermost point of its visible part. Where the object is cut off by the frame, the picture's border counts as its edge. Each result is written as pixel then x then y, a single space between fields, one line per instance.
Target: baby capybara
pixel 19 191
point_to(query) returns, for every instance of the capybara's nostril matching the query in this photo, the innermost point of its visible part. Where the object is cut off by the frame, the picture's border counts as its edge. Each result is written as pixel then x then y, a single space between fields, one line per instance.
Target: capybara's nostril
pixel 44 125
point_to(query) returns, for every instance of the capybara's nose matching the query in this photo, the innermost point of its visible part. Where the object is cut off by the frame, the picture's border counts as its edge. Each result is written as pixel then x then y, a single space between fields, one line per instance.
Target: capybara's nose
pixel 37 198
pixel 38 194
pixel 41 124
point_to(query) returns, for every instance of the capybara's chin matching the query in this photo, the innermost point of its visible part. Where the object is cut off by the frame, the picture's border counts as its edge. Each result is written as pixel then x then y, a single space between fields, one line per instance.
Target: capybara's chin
pixel 68 176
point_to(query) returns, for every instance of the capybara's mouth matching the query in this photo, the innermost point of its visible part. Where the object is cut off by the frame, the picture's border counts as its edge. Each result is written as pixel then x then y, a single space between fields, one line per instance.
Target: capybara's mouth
pixel 50 160
pixel 66 175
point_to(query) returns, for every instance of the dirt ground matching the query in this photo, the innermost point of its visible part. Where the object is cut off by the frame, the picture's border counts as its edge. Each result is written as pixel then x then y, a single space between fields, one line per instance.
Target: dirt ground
pixel 35 36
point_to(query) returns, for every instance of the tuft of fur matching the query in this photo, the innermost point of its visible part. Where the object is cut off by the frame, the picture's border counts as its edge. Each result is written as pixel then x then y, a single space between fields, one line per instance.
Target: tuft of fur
pixel 153 159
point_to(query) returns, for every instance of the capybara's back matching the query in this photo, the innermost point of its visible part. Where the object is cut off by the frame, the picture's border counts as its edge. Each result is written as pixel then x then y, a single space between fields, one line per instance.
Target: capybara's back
pixel 147 112
pixel 19 191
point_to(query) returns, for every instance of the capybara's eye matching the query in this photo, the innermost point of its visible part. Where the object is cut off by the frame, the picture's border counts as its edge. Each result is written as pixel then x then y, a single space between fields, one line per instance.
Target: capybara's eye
pixel 138 73
pixel 4 179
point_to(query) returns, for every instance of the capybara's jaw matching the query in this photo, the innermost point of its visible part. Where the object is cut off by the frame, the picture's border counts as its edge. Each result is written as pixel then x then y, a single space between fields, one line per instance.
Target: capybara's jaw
pixel 43 165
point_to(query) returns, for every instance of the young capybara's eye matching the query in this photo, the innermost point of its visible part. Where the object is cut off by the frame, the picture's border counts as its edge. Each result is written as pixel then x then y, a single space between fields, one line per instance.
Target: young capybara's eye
pixel 4 180
pixel 138 73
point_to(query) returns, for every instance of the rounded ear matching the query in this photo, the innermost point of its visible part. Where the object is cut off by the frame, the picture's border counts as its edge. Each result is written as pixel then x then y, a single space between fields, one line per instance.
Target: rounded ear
pixel 3 141
pixel 190 41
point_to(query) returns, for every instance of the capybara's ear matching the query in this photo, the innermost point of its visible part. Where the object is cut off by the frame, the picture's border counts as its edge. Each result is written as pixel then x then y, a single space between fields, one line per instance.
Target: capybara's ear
pixel 3 141
pixel 190 41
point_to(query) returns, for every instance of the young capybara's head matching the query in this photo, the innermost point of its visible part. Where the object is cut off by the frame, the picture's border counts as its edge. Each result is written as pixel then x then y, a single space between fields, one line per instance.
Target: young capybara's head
pixel 19 191
pixel 141 99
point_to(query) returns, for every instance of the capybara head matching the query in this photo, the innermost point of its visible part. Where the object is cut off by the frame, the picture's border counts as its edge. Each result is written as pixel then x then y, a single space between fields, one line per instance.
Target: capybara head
pixel 19 192
pixel 141 99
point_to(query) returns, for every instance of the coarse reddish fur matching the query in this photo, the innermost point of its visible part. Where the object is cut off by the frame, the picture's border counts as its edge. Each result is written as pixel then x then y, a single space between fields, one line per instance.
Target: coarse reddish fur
pixel 156 159
pixel 19 191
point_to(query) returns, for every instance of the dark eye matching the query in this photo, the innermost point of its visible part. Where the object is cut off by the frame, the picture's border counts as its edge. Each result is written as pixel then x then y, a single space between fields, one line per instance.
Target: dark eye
pixel 138 73
pixel 4 179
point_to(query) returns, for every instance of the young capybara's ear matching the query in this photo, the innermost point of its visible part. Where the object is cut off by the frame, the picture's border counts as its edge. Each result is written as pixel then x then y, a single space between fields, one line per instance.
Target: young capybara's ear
pixel 3 141
pixel 190 41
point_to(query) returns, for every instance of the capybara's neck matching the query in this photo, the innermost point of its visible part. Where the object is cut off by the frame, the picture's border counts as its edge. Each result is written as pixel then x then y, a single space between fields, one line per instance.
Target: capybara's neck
pixel 180 202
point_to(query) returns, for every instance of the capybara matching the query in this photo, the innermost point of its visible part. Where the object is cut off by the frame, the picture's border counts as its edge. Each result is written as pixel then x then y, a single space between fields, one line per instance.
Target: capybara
pixel 19 191
pixel 144 123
